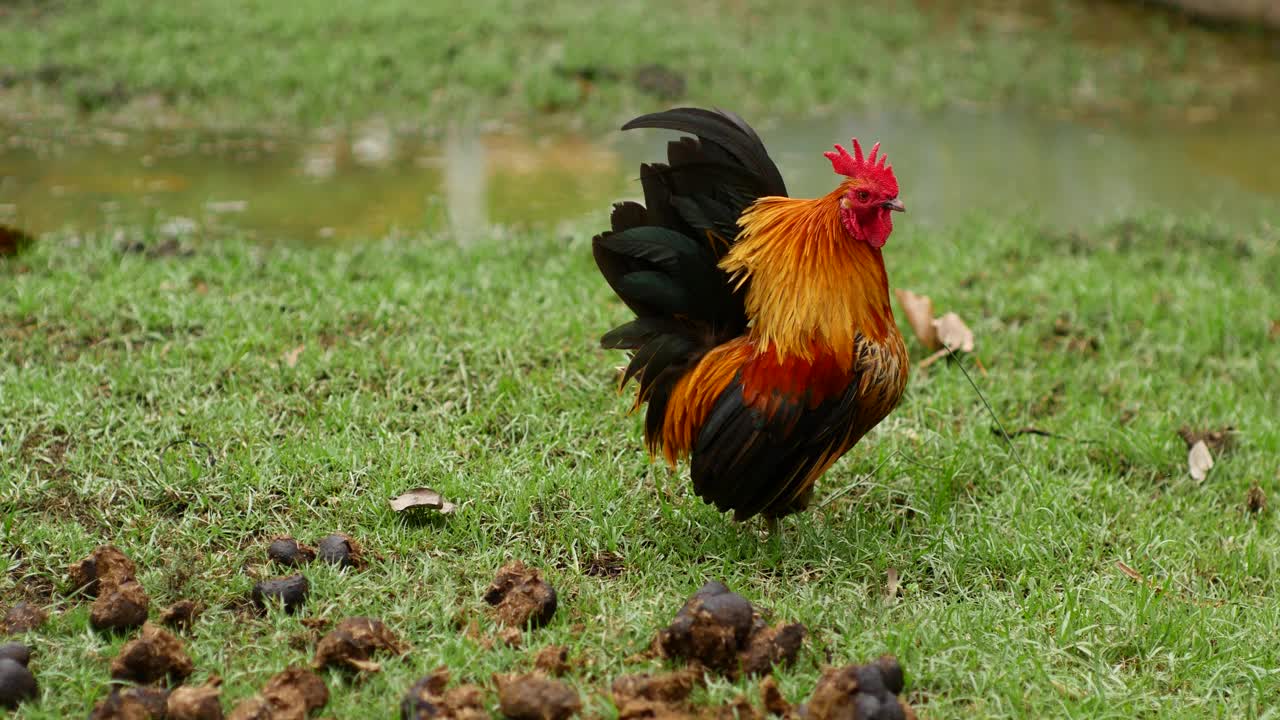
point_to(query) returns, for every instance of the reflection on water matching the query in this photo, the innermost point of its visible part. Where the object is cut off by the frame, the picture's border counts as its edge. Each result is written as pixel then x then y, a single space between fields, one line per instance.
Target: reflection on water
pixel 372 182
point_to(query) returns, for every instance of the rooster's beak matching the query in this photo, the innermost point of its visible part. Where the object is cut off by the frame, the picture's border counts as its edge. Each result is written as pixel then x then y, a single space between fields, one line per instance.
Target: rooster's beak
pixel 894 204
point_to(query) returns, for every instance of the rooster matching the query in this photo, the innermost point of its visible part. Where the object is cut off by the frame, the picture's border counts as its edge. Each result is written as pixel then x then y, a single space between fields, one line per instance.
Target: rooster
pixel 764 343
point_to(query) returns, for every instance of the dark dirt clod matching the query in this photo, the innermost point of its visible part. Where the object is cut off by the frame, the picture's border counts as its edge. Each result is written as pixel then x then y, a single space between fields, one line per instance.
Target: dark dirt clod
pixel 1218 441
pixel 132 703
pixel 23 617
pixel 428 699
pixel 105 568
pixel 536 697
pixel 119 607
pixel 891 673
pixel 552 660
pixel 289 552
pixel 720 630
pixel 154 655
pixel 290 590
pixel 291 695
pixel 16 652
pixel 181 615
pixel 17 684
pixel 1255 501
pixel 196 703
pixel 353 643
pixel 340 550
pixel 860 692
pixel 772 646
pixel 522 597
pixel 771 697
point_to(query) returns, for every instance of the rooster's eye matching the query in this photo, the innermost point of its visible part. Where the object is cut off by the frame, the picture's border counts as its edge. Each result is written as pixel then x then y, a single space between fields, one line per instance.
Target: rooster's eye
pixel 863 196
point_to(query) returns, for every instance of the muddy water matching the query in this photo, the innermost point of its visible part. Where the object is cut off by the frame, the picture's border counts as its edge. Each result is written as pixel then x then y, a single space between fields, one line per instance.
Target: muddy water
pixel 347 186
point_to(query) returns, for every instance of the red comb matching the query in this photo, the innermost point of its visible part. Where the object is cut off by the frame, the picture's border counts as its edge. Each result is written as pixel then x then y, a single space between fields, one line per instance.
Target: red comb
pixel 847 165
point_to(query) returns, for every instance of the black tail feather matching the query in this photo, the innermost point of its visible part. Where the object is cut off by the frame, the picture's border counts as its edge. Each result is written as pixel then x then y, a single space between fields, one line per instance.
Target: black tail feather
pixel 662 258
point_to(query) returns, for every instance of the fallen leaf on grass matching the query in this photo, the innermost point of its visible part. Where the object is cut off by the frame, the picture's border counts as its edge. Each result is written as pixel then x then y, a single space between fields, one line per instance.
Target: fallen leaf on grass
pixel 291 357
pixel 423 497
pixel 1199 461
pixel 919 312
pixel 953 333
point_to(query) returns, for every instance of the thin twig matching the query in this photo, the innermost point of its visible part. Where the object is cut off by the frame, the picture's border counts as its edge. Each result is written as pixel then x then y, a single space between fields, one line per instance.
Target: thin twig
pixel 1013 448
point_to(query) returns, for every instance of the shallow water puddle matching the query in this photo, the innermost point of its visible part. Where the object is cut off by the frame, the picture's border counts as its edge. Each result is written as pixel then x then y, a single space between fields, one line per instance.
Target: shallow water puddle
pixel 368 183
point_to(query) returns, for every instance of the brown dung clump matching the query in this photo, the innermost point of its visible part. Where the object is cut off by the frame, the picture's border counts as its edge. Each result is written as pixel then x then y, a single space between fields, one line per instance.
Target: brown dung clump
pixel 429 699
pixel 522 597
pixel 722 631
pixel 536 697
pixel 154 655
pixel 352 644
pixel 291 695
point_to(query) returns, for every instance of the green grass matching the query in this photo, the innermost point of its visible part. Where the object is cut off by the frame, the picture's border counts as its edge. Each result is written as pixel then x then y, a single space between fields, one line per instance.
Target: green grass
pixel 318 62
pixel 476 371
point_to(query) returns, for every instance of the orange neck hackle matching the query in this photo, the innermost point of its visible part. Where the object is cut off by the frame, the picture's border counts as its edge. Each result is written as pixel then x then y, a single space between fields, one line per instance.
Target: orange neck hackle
pixel 813 288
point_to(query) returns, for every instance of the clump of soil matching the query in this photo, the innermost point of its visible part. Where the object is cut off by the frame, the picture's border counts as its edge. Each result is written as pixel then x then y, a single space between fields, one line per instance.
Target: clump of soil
pixel 289 552
pixel 722 631
pixel 108 576
pixel 154 655
pixel 196 702
pixel 132 703
pixel 552 660
pixel 16 652
pixel 655 696
pixel 340 550
pixel 536 697
pixel 23 617
pixel 771 695
pixel 860 692
pixel 105 568
pixel 522 597
pixel 769 646
pixel 181 615
pixel 122 607
pixel 291 591
pixel 17 684
pixel 353 643
pixel 428 699
pixel 292 694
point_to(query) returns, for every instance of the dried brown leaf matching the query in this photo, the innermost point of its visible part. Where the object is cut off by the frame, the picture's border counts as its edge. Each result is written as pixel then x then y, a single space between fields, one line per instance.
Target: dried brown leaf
pixel 1199 461
pixel 422 497
pixel 919 312
pixel 953 333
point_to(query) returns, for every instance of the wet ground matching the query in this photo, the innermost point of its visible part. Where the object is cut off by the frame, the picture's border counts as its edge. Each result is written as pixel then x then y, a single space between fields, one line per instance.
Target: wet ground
pixel 366 183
